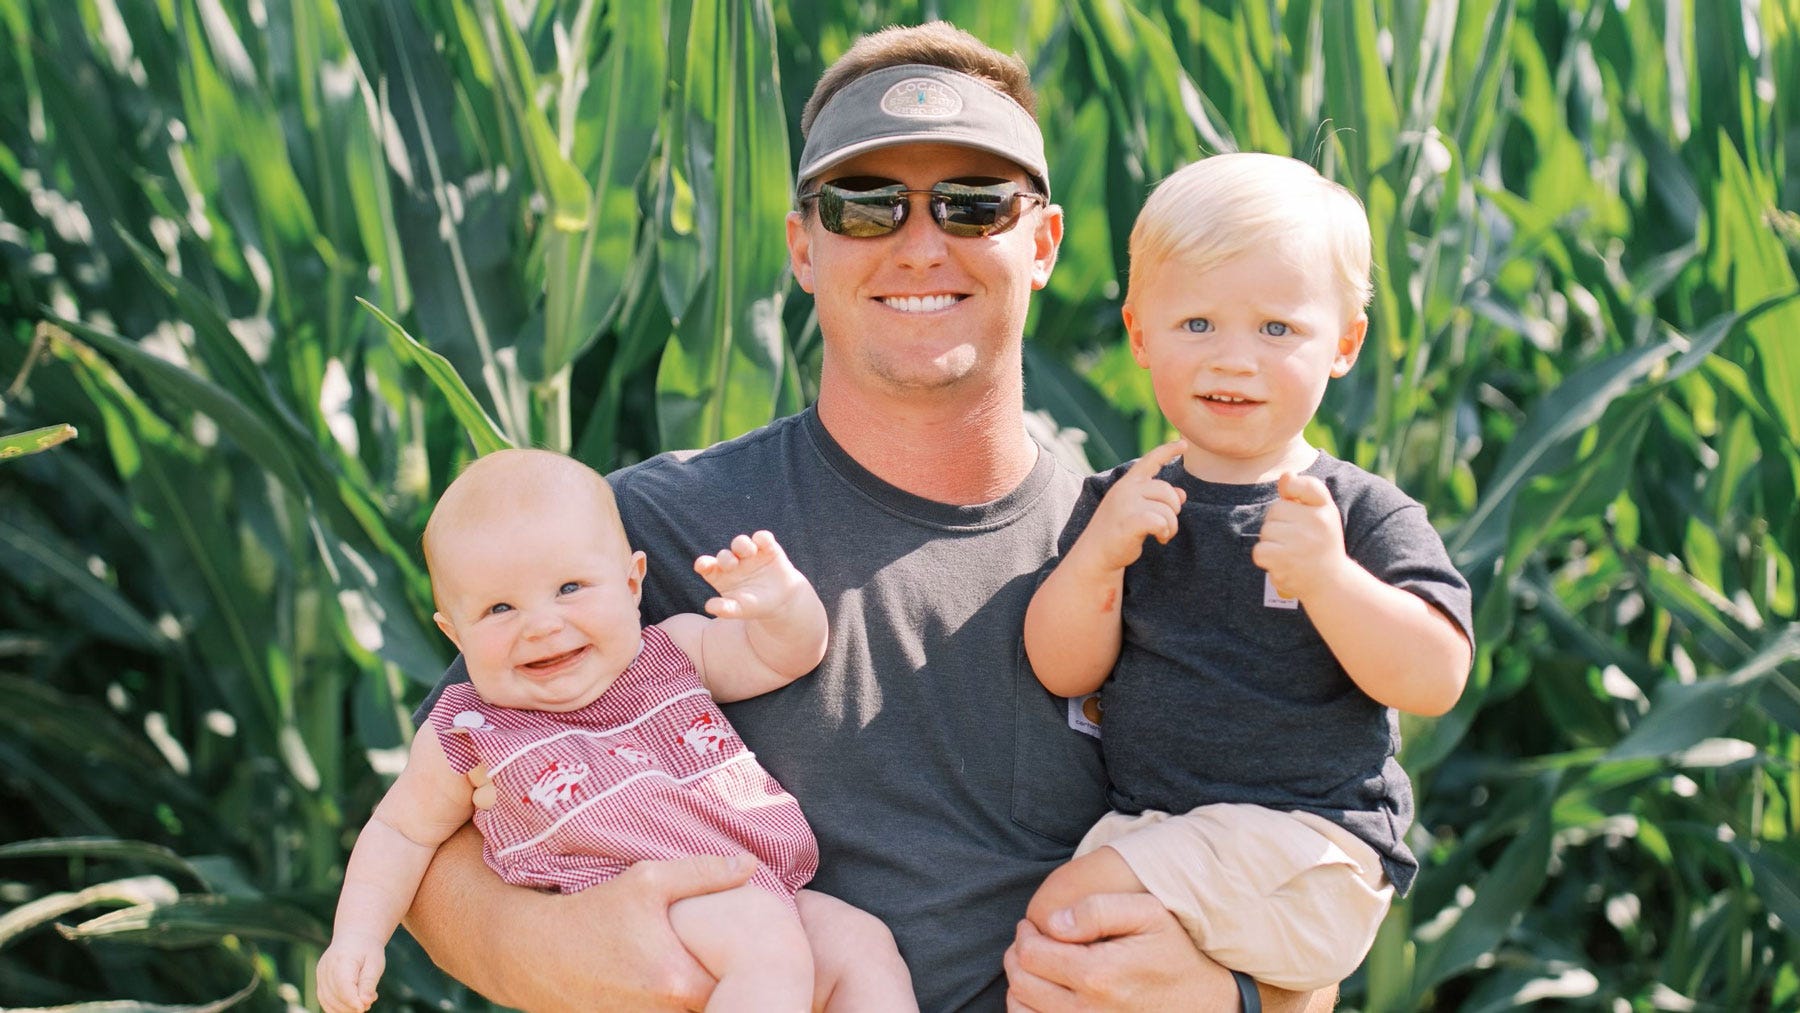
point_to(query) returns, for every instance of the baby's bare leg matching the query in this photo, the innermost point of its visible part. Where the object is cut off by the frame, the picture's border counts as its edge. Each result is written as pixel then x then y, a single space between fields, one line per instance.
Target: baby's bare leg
pixel 749 940
pixel 856 965
pixel 1101 870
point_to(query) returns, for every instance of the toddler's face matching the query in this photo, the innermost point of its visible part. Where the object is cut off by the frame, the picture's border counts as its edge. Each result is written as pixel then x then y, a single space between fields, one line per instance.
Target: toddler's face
pixel 1239 356
pixel 542 603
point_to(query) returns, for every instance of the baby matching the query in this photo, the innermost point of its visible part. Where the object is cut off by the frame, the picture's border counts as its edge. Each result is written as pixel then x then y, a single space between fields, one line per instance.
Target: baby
pixel 584 742
pixel 1254 659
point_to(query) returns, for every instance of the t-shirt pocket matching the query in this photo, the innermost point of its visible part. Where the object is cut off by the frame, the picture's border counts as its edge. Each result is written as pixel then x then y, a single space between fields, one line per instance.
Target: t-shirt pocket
pixel 1059 782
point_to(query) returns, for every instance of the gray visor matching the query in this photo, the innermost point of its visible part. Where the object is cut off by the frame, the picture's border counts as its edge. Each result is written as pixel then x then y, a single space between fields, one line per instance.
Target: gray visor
pixel 918 103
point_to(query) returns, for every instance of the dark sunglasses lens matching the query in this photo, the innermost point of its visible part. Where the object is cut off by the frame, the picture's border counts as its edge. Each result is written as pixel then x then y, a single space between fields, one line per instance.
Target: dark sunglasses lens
pixel 862 213
pixel 974 210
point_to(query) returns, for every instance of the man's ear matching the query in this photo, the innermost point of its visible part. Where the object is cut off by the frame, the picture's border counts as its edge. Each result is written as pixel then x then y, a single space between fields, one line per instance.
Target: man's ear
pixel 1047 239
pixel 799 242
pixel 1134 333
pixel 1349 345
pixel 443 623
pixel 634 576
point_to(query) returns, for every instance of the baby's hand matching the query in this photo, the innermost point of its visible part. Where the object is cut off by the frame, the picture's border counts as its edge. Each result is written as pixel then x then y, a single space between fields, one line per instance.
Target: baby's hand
pixel 1138 506
pixel 753 577
pixel 1302 541
pixel 347 977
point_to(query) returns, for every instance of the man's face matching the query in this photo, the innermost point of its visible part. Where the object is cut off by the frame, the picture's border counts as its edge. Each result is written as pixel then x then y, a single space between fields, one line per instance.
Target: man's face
pixel 918 310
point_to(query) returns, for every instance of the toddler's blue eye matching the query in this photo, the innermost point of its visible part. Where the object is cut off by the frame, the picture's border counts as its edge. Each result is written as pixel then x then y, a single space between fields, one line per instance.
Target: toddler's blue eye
pixel 569 588
pixel 1196 325
pixel 1276 329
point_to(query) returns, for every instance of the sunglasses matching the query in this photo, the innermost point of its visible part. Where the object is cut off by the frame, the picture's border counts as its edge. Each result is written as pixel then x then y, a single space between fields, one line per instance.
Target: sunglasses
pixel 865 207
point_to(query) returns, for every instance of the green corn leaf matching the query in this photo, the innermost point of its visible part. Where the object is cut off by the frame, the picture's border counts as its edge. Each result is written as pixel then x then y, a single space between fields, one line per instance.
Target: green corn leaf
pixel 1505 891
pixel 103 848
pixel 477 426
pixel 35 440
pixel 1751 262
pixel 134 890
pixel 1777 878
pixel 33 555
pixel 135 1006
pixel 1685 713
pixel 193 919
pixel 587 269
pixel 721 375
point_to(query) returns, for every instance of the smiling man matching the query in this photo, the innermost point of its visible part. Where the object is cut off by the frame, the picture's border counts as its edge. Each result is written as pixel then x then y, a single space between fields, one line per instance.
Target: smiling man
pixel 943 782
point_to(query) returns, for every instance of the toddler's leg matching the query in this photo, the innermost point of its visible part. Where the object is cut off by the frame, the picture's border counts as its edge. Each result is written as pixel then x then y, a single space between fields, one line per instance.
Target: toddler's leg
pixel 1101 870
pixel 856 965
pixel 749 940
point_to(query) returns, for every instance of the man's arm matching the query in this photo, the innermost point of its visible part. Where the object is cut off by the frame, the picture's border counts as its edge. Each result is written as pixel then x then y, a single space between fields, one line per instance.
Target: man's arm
pixel 1126 952
pixel 609 946
pixel 1072 627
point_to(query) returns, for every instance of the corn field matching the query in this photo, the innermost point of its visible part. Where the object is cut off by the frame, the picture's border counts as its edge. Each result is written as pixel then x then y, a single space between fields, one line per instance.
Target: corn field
pixel 284 265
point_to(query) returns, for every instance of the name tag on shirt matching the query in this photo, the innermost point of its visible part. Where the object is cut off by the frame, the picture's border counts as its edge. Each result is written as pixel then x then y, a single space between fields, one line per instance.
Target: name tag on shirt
pixel 1084 714
pixel 1273 599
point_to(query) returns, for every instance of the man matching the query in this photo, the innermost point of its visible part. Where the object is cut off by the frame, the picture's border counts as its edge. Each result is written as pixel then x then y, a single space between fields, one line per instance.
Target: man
pixel 942 781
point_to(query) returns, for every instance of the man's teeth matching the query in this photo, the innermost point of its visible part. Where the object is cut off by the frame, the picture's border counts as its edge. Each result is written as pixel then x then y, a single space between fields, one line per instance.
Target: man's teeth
pixel 920 303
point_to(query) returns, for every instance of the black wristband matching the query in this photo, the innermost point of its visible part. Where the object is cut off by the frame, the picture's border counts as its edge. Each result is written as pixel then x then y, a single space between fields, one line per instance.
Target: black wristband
pixel 1247 994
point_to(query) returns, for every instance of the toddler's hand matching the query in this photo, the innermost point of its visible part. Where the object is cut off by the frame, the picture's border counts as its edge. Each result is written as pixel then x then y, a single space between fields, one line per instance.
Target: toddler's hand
pixel 1302 540
pixel 347 977
pixel 1138 506
pixel 753 577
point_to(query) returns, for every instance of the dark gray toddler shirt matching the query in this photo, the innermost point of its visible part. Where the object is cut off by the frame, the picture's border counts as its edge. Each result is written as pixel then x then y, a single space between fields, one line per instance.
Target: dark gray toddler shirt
pixel 1222 694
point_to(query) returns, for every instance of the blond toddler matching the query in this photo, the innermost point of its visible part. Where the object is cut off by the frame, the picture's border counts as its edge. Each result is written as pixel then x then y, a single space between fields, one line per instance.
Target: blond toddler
pixel 1256 609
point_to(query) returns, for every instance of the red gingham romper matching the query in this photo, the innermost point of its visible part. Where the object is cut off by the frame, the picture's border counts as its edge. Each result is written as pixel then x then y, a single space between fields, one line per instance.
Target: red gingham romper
pixel 650 770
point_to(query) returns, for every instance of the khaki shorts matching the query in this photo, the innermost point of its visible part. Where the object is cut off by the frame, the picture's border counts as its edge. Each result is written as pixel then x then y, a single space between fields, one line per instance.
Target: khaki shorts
pixel 1288 898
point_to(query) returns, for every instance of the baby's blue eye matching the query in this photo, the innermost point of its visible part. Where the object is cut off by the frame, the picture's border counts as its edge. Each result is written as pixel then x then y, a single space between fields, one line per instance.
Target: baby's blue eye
pixel 498 607
pixel 569 587
pixel 1276 329
pixel 1196 325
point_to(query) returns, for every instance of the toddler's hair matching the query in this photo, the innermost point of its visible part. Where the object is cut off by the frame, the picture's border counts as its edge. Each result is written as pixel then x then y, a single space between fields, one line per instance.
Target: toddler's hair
pixel 1216 209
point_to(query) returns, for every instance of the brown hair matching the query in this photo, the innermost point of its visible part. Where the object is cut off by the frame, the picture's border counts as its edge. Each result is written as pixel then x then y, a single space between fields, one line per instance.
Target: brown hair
pixel 935 43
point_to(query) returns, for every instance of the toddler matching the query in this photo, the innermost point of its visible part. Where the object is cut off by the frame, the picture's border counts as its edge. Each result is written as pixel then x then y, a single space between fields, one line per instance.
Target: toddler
pixel 1256 608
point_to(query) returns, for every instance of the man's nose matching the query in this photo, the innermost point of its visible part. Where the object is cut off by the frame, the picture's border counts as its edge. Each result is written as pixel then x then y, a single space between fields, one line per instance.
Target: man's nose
pixel 920 243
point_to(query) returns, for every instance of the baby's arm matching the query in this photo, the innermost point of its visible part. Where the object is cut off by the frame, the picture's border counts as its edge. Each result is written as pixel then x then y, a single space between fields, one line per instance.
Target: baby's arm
pixel 1401 650
pixel 426 804
pixel 770 627
pixel 1072 629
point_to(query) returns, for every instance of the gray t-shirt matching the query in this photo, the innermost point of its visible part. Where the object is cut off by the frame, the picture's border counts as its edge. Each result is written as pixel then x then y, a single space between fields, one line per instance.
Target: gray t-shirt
pixel 943 782
pixel 1223 693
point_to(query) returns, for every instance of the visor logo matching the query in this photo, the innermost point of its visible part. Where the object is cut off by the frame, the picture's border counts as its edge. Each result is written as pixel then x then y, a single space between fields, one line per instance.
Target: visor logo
pixel 921 96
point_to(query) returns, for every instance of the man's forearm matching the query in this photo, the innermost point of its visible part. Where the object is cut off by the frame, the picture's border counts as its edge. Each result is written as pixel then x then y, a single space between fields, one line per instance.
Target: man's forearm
pixel 463 916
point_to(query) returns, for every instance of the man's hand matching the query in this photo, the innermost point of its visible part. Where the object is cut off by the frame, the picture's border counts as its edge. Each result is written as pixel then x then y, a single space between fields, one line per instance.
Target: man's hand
pixel 608 947
pixel 1302 541
pixel 1112 951
pixel 1126 952
pixel 753 577
pixel 1138 506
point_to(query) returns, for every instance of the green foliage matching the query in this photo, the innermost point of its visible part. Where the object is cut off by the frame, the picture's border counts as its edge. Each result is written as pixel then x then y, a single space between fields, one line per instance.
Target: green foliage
pixel 294 263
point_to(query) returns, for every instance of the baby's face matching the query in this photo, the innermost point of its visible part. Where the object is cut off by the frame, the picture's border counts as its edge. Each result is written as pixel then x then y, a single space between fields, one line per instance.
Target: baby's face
pixel 1239 356
pixel 542 603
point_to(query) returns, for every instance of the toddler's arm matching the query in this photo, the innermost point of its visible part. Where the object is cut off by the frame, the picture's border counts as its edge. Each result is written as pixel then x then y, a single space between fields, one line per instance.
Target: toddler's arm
pixel 1399 649
pixel 426 804
pixel 1072 630
pixel 770 626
